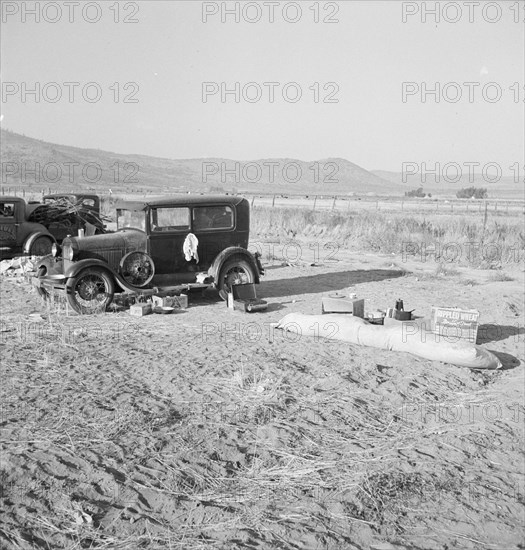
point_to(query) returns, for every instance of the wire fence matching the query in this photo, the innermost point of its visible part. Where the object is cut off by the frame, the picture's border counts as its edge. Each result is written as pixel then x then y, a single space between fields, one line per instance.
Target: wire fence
pixel 336 203
pixel 342 204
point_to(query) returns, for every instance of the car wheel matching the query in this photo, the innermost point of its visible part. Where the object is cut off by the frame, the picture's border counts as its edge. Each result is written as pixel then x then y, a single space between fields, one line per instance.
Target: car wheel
pixel 234 272
pixel 42 292
pixel 41 246
pixel 91 291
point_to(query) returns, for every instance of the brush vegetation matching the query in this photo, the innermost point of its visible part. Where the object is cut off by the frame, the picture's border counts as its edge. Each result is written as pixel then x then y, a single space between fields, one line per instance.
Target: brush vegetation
pixel 493 241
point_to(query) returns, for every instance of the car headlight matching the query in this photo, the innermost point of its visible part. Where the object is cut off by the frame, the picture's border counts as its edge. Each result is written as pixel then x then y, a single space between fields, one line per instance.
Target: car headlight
pixel 69 249
pixel 55 250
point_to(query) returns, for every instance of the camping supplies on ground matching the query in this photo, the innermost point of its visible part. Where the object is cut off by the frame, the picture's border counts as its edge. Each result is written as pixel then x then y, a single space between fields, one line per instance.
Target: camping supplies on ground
pixel 339 303
pixel 244 298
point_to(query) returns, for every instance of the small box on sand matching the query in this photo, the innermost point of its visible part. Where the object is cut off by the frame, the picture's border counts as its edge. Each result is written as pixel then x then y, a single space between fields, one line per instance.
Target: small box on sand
pixel 178 302
pixel 139 310
pixel 341 304
pixel 454 323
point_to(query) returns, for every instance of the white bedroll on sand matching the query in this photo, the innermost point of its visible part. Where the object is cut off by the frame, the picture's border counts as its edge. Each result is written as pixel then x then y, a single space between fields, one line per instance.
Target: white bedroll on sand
pixel 411 337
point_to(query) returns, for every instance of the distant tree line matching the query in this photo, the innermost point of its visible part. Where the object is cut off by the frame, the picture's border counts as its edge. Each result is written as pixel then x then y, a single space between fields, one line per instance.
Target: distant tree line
pixel 417 193
pixel 465 193
pixel 472 192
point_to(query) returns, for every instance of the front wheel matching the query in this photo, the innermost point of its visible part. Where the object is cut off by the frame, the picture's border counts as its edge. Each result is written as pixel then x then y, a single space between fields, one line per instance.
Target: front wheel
pixel 91 291
pixel 236 271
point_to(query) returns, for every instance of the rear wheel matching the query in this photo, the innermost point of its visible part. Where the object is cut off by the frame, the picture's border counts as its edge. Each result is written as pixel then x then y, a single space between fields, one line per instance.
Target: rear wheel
pixel 237 271
pixel 41 246
pixel 91 291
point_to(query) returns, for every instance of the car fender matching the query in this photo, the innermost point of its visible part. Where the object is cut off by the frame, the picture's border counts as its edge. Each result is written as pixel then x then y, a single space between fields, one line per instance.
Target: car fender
pixel 32 238
pixel 51 264
pixel 227 254
pixel 77 267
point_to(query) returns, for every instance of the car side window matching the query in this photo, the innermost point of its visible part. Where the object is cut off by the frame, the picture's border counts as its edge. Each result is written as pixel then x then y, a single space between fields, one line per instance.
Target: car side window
pixel 7 209
pixel 212 217
pixel 170 219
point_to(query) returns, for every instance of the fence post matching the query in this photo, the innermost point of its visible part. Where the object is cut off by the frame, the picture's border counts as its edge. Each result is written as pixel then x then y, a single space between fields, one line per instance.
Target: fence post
pixel 315 202
pixel 273 201
pixel 402 205
pixel 253 200
pixel 333 204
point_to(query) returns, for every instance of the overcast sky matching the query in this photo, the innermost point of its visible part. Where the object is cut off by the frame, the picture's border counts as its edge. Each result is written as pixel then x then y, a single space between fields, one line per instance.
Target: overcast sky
pixel 174 48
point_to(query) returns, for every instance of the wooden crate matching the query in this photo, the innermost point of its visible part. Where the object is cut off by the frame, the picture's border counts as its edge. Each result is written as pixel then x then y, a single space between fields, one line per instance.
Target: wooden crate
pixel 454 323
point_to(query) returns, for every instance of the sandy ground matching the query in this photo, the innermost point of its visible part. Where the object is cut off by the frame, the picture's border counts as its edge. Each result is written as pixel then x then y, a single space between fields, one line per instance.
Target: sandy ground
pixel 210 429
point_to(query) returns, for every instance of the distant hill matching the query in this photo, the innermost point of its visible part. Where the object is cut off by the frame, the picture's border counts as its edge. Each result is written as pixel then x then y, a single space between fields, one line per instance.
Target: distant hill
pixel 62 167
pixel 66 168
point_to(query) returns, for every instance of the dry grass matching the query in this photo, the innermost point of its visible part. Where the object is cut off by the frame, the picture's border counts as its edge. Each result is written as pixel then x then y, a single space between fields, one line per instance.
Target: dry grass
pixel 444 238
pixel 500 276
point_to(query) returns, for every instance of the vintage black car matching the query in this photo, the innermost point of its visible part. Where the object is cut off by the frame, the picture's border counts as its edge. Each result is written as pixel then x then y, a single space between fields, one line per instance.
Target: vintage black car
pixel 195 241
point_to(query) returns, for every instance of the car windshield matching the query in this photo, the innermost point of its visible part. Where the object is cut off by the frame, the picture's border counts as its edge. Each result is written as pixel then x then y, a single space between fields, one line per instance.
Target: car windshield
pixel 131 218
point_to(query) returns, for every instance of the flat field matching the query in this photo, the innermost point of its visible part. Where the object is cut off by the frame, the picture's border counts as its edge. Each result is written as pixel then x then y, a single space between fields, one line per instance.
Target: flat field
pixel 210 429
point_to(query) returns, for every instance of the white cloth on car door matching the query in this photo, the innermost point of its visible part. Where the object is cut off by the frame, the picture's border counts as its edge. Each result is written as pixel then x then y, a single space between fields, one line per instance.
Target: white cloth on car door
pixel 190 247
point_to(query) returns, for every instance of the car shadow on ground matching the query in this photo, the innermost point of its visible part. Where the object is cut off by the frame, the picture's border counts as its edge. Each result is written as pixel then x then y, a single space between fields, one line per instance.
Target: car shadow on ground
pixel 325 282
pixel 494 333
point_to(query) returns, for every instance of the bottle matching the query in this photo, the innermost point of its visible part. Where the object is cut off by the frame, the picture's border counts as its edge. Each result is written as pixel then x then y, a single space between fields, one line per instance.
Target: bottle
pixel 399 305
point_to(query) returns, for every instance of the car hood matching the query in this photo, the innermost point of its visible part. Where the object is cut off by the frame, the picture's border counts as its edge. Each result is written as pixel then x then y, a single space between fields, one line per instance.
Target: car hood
pixel 118 240
pixel 110 248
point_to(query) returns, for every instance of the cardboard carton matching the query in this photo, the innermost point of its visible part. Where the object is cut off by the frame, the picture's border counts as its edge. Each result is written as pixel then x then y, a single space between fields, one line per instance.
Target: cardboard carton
pixel 354 307
pixel 171 301
pixel 454 323
pixel 139 310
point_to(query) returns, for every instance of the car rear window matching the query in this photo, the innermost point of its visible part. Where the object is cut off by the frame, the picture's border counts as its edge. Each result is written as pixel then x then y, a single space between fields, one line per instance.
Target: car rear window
pixel 212 217
pixel 170 219
pixel 7 209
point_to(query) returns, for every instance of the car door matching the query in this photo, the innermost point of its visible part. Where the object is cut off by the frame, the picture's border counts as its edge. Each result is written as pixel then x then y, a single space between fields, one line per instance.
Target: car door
pixel 214 227
pixel 168 228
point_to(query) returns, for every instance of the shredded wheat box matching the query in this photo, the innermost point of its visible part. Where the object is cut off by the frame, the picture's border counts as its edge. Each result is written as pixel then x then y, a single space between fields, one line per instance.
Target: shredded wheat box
pixel 455 323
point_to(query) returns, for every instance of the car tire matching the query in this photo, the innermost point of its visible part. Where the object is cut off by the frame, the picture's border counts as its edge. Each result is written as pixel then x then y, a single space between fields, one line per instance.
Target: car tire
pixel 41 246
pixel 91 291
pixel 234 272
